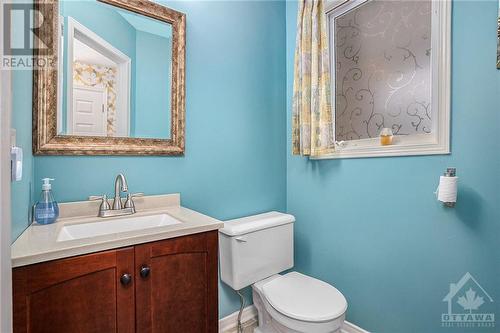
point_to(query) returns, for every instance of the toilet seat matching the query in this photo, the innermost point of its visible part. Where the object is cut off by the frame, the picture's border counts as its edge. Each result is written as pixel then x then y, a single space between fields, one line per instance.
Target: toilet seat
pixel 304 298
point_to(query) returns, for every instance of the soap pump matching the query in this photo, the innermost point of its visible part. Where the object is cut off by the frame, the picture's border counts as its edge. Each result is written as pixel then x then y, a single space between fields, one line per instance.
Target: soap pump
pixel 46 210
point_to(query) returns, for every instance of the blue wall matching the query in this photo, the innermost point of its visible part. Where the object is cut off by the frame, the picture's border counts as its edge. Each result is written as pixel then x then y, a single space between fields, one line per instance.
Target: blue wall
pixel 21 192
pixel 106 22
pixel 373 228
pixel 150 57
pixel 152 96
pixel 235 123
pixel 392 255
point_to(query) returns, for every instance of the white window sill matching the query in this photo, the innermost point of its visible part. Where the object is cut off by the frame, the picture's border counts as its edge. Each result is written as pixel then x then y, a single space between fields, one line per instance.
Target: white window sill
pixel 402 146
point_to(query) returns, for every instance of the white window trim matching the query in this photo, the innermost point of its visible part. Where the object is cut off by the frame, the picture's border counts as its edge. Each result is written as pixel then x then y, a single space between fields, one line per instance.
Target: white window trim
pixel 437 143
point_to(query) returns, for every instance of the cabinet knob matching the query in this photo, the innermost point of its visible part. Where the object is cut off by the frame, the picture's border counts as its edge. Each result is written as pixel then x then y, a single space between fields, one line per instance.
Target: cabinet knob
pixel 145 270
pixel 126 279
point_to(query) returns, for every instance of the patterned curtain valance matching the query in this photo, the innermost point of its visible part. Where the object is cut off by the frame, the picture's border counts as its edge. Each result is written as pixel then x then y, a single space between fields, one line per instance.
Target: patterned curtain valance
pixel 312 121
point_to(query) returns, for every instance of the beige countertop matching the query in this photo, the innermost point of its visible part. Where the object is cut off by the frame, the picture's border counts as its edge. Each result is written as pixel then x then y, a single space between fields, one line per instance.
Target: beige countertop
pixel 39 243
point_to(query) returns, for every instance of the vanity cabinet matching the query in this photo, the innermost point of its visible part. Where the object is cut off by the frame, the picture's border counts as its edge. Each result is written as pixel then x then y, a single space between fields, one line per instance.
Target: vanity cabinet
pixel 78 294
pixel 164 286
pixel 179 293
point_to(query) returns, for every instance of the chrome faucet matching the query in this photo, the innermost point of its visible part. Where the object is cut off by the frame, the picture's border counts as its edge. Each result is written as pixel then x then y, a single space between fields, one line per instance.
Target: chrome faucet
pixel 120 186
pixel 118 208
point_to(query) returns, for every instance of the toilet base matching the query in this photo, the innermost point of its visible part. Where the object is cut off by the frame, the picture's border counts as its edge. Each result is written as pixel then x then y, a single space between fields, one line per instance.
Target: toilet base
pixel 268 324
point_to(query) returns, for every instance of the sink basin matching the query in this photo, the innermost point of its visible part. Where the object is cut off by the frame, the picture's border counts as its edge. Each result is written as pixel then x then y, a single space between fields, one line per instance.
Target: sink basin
pixel 106 227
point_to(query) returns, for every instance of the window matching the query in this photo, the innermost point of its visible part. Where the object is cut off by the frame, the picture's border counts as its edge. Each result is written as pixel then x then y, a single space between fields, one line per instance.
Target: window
pixel 390 68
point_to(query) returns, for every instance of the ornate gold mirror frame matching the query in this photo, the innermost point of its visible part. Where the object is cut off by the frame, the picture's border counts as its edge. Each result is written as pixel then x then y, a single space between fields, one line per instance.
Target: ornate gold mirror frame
pixel 46 141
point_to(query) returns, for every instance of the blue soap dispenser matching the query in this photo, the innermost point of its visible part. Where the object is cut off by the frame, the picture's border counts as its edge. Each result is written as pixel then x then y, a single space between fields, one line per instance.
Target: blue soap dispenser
pixel 46 210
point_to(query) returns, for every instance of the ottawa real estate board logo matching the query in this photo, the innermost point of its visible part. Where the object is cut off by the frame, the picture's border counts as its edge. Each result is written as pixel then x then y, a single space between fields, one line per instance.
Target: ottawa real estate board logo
pixel 469 305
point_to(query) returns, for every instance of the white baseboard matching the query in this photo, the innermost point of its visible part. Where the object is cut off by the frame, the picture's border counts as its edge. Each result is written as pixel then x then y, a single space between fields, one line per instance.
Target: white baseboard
pixel 229 323
pixel 351 328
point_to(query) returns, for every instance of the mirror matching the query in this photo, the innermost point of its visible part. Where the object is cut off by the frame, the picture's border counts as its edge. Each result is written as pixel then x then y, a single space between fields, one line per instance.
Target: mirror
pixel 390 72
pixel 116 72
pixel 120 80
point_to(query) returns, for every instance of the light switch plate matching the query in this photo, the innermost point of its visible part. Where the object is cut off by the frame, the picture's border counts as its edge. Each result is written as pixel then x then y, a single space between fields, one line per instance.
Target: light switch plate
pixel 16 159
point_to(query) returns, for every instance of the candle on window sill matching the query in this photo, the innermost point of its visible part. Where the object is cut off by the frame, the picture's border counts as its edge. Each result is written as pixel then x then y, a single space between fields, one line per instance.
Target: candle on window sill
pixel 386 136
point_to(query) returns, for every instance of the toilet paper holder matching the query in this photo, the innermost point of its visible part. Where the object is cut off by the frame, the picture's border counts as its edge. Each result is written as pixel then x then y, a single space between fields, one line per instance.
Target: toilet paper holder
pixel 447 188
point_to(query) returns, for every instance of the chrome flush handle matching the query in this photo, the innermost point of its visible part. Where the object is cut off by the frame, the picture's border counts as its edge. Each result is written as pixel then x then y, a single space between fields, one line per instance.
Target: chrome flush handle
pixel 241 239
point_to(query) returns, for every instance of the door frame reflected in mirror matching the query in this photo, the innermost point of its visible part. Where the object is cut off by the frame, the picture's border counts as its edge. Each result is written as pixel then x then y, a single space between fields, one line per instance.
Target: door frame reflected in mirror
pixel 78 31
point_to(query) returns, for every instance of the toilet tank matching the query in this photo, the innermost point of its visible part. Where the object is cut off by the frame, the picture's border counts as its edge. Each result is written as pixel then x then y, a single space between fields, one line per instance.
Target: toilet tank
pixel 255 247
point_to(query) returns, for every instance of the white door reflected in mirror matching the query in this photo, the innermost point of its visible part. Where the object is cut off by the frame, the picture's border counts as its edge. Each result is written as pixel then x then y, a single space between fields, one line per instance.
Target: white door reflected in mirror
pixel 89 112
pixel 128 58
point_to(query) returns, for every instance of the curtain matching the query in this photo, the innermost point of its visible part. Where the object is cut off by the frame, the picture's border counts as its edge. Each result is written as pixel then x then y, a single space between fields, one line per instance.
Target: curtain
pixel 312 124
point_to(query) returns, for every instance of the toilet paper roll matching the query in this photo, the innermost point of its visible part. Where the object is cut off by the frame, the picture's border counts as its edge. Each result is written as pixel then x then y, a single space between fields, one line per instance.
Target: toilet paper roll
pixel 447 189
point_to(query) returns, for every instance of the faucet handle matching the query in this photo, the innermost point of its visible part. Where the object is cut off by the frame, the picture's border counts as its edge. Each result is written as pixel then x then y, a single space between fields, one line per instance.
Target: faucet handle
pixel 104 203
pixel 129 203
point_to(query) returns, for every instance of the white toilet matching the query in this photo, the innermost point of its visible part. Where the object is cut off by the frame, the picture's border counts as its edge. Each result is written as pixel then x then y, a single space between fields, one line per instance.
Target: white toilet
pixel 253 250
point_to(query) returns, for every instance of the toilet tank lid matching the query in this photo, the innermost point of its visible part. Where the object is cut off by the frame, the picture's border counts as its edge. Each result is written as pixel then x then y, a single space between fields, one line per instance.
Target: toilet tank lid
pixel 244 225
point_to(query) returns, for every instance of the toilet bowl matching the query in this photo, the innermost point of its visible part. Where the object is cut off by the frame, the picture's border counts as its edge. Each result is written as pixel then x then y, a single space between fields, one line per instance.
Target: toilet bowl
pixel 253 251
pixel 294 303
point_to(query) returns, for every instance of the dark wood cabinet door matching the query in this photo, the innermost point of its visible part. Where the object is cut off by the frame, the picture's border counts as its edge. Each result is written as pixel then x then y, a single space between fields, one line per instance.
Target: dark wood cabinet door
pixel 76 295
pixel 179 292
